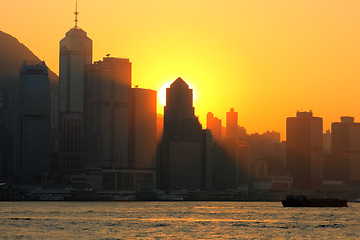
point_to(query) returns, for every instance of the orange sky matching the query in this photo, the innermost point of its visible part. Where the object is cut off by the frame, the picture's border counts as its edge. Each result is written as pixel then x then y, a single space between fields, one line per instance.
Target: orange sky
pixel 267 59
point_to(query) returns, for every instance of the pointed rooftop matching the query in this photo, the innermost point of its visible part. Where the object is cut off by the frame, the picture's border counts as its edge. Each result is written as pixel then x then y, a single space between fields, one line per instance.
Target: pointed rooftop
pixel 179 83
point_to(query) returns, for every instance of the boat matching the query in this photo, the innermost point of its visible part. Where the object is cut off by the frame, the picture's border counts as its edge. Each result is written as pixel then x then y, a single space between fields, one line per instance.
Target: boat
pixel 302 201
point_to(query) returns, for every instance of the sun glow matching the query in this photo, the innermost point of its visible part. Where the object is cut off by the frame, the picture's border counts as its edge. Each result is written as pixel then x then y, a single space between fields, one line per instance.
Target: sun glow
pixel 162 92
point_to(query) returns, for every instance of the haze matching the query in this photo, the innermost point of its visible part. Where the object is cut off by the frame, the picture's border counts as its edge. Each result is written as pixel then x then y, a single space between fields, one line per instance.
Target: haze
pixel 267 59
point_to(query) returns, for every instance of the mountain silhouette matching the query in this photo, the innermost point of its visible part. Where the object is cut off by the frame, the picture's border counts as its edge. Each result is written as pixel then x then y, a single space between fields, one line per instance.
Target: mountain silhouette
pixel 12 55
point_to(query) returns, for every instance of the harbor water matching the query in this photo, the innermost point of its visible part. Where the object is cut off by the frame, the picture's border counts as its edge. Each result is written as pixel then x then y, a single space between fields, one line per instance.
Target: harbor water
pixel 175 220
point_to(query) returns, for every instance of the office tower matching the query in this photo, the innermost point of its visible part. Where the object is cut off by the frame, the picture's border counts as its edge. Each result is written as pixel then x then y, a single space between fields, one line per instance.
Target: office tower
pixel 214 124
pixel 6 135
pixel 232 126
pixel 75 54
pixel 182 155
pixel 108 113
pixel 345 141
pixel 143 129
pixel 179 119
pixel 304 149
pixel 34 123
pixel 119 127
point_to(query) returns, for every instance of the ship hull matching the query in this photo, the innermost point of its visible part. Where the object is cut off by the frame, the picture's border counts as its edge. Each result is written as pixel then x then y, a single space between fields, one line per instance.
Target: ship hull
pixel 315 203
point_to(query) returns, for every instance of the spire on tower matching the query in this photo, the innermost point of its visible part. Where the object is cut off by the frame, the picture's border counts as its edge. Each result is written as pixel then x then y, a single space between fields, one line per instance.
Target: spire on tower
pixel 76 15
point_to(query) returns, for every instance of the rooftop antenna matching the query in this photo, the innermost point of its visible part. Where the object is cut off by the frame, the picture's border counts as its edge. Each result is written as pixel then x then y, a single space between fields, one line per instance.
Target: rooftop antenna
pixel 76 15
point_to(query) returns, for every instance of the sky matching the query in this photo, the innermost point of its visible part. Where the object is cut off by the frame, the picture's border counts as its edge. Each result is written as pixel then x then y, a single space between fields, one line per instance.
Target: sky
pixel 265 58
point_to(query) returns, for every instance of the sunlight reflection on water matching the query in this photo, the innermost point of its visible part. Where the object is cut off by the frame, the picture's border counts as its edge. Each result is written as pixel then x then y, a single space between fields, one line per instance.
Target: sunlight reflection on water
pixel 180 220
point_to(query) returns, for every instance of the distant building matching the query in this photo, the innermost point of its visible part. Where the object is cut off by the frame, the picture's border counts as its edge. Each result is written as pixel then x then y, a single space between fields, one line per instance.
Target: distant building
pixel 75 54
pixel 34 121
pixel 214 124
pixel 304 150
pixel 327 141
pixel 345 141
pixel 183 154
pixel 232 126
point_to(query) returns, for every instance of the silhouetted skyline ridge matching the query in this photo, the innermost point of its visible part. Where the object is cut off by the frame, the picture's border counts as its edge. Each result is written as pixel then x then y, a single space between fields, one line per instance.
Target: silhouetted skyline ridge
pixel 13 54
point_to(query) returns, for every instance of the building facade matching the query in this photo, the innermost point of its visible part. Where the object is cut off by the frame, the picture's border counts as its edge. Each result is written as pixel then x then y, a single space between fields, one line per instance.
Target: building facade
pixel 304 150
pixel 345 144
pixel 34 121
pixel 232 126
pixel 108 113
pixel 214 124
pixel 75 54
pixel 183 160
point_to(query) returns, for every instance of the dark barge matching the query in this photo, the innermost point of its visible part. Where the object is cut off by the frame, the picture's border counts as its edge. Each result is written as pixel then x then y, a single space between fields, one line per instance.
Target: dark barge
pixel 302 201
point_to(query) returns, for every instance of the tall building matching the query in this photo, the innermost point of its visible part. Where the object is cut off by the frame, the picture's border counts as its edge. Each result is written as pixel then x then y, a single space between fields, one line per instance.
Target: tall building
pixel 345 141
pixel 34 121
pixel 214 124
pixel 108 113
pixel 183 159
pixel 143 129
pixel 75 54
pixel 119 127
pixel 6 135
pixel 304 149
pixel 232 126
pixel 179 119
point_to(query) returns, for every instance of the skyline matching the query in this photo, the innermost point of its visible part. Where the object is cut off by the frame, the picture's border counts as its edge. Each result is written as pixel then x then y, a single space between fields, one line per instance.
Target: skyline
pixel 271 58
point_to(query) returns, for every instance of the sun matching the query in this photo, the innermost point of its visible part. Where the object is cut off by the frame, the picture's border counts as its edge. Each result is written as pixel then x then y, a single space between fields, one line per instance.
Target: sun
pixel 162 92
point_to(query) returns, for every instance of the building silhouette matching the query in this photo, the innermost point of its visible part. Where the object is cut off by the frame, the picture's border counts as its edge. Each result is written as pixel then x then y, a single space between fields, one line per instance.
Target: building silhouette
pixel 304 150
pixel 184 160
pixel 143 129
pixel 119 127
pixel 75 54
pixel 232 126
pixel 214 124
pixel 34 122
pixel 107 113
pixel 6 135
pixel 344 163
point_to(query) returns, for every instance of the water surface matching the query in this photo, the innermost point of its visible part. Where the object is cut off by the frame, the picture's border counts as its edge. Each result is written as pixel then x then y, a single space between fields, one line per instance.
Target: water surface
pixel 175 220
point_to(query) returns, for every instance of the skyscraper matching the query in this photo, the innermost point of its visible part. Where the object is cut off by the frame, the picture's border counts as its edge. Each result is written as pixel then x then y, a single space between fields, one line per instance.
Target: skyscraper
pixel 304 149
pixel 119 127
pixel 34 123
pixel 179 119
pixel 214 124
pixel 108 113
pixel 183 160
pixel 345 141
pixel 6 136
pixel 143 129
pixel 232 126
pixel 75 54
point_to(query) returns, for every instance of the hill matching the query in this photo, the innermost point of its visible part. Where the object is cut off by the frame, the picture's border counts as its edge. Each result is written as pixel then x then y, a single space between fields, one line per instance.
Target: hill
pixel 12 55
